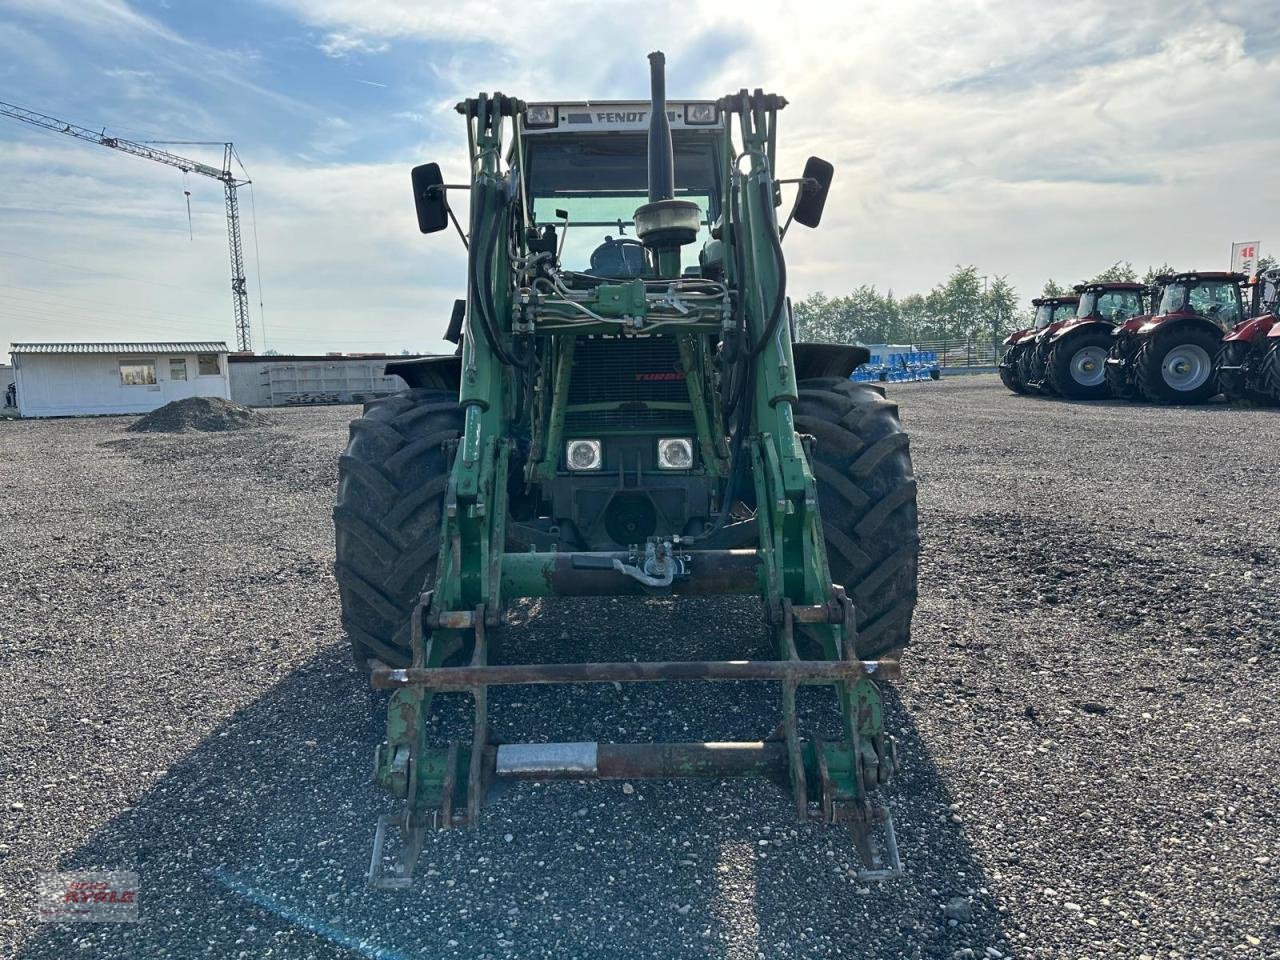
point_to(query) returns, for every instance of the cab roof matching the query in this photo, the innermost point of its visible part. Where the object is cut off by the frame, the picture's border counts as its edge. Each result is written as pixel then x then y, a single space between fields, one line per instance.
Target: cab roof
pixel 612 116
pixel 1054 301
pixel 1202 275
pixel 1108 285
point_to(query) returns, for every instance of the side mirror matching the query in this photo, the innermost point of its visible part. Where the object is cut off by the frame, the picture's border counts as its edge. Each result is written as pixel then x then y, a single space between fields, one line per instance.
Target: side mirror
pixel 813 192
pixel 429 198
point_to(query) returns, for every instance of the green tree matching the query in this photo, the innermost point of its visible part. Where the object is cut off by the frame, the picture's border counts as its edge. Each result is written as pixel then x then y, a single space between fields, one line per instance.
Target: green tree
pixel 964 305
pixel 1002 308
pixel 1052 289
pixel 958 306
pixel 1153 272
pixel 1121 271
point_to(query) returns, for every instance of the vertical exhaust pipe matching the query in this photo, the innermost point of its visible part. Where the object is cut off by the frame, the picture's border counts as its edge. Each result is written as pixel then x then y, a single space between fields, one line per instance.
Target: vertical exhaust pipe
pixel 662 172
pixel 664 224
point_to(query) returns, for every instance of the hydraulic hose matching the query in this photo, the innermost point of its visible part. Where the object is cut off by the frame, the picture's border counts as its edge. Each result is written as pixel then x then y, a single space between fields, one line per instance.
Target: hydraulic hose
pixel 781 294
pixel 486 235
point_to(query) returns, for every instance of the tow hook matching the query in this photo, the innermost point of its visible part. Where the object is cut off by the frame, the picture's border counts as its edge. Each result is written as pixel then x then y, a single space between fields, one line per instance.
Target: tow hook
pixel 659 567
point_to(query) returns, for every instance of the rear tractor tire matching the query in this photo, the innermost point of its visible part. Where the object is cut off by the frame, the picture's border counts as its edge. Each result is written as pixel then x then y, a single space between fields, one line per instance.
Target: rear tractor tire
pixel 1177 366
pixel 1077 368
pixel 867 496
pixel 391 485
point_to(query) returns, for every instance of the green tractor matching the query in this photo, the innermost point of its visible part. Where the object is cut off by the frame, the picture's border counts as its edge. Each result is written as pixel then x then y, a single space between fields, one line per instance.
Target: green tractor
pixel 627 415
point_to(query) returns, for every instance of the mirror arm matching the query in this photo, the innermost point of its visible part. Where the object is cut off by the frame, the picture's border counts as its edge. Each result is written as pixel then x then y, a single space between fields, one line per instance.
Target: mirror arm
pixel 457 226
pixel 782 234
pixel 804 182
pixel 444 189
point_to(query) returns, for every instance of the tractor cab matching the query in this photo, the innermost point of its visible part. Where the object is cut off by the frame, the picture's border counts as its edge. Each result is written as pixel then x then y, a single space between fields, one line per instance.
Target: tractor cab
pixel 587 174
pixel 1213 296
pixel 1113 303
pixel 1053 312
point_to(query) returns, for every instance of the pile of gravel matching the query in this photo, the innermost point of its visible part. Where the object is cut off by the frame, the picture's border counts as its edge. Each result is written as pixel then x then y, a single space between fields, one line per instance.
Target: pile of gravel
pixel 205 414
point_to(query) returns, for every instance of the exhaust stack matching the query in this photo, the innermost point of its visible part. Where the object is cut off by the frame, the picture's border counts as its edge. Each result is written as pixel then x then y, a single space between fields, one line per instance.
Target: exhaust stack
pixel 662 166
pixel 664 224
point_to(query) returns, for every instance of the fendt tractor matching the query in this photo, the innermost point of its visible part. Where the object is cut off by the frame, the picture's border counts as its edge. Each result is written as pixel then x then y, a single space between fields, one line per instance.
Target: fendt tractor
pixel 1248 363
pixel 1076 351
pixel 627 415
pixel 1022 366
pixel 1167 356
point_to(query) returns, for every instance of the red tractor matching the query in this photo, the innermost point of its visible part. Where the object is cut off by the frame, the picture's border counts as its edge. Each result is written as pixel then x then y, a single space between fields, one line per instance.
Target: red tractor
pixel 1167 356
pixel 1248 364
pixel 1017 366
pixel 1075 364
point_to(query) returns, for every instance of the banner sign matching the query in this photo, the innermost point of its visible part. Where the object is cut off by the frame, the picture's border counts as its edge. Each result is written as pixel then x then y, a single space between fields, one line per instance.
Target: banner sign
pixel 1244 257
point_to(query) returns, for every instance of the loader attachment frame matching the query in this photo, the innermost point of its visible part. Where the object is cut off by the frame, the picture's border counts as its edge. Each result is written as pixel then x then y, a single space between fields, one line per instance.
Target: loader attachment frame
pixel 517 355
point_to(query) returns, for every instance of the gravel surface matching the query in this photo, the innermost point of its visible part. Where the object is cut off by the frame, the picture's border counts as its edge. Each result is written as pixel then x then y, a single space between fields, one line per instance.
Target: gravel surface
pixel 1089 720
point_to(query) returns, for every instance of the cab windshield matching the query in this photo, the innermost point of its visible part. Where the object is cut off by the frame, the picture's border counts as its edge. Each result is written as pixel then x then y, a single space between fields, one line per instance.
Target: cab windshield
pixel 600 179
pixel 1044 316
pixel 1217 300
pixel 1114 306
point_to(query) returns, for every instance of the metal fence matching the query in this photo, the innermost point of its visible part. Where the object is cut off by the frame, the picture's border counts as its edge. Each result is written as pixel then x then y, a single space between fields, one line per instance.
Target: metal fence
pixel 967 352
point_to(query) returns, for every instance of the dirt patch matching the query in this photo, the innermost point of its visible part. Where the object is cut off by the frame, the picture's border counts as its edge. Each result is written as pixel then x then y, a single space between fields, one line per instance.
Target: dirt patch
pixel 203 414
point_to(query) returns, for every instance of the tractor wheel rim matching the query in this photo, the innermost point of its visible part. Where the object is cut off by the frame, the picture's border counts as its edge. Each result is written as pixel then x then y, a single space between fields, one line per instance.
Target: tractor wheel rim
pixel 1089 366
pixel 1186 367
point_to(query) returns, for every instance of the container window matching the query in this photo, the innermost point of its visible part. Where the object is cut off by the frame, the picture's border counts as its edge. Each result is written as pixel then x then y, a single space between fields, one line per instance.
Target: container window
pixel 137 372
pixel 177 368
pixel 208 364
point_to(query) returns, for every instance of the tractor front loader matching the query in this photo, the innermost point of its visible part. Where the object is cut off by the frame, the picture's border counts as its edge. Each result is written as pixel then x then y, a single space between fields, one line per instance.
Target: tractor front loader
pixel 622 419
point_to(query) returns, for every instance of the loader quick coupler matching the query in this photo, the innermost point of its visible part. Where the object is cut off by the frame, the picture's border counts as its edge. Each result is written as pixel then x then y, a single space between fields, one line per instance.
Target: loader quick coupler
pixel 444 786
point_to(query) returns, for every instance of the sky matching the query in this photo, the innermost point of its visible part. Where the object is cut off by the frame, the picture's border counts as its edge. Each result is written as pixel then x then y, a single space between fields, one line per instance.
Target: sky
pixel 1030 139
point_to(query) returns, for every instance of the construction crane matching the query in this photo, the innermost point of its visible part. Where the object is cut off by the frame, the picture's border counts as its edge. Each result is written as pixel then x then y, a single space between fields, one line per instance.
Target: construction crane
pixel 230 183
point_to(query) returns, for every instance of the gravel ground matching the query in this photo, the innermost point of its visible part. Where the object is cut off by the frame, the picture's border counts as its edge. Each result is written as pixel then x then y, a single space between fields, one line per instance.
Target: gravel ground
pixel 1090 717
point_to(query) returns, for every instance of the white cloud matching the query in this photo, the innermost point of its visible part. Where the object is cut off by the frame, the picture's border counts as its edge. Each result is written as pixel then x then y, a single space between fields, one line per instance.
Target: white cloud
pixel 338 45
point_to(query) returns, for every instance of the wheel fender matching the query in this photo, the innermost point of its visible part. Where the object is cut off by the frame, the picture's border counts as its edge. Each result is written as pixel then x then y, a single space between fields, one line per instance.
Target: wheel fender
pixel 1182 323
pixel 1251 330
pixel 1274 332
pixel 1076 328
pixel 815 360
pixel 435 373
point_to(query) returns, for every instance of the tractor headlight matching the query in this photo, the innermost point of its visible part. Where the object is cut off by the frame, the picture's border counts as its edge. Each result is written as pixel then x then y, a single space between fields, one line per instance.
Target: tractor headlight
pixel 675 453
pixel 584 455
pixel 699 113
pixel 541 115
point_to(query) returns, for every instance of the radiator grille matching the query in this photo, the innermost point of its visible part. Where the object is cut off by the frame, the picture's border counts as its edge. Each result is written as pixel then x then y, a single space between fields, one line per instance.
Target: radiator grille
pixel 628 370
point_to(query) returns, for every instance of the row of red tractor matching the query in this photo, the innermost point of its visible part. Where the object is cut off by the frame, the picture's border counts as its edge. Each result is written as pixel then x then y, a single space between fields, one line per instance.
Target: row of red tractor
pixel 1186 338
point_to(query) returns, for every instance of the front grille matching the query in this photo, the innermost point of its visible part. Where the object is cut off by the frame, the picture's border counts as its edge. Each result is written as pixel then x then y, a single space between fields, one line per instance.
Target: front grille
pixel 629 370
